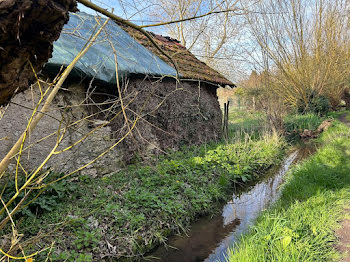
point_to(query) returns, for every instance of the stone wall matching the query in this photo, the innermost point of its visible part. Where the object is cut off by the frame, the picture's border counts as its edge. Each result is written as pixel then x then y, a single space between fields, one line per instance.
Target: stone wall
pixel 168 115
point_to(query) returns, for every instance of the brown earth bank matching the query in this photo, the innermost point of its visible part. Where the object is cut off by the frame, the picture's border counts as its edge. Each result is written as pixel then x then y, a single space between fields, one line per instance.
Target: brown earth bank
pixel 343 233
pixel 27 30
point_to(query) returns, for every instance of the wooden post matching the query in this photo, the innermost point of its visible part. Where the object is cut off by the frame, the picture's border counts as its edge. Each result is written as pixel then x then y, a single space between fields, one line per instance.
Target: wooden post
pixel 227 113
pixel 225 120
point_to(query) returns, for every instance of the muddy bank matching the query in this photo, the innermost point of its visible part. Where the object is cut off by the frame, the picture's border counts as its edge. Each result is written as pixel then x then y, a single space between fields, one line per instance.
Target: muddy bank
pixel 343 235
pixel 27 30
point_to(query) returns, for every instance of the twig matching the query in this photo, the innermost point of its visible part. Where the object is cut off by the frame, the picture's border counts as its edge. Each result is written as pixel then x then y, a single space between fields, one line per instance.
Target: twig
pixel 128 23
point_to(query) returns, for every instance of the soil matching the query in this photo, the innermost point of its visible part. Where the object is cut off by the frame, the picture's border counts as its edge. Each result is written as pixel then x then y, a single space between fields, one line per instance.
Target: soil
pixel 27 30
pixel 343 233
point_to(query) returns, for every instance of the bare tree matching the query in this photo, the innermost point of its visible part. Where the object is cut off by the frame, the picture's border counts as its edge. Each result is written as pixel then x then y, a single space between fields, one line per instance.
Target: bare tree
pixel 213 35
pixel 307 45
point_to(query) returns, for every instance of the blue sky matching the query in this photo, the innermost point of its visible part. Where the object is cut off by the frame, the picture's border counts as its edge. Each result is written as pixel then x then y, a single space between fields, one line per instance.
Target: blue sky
pixel 124 8
pixel 127 9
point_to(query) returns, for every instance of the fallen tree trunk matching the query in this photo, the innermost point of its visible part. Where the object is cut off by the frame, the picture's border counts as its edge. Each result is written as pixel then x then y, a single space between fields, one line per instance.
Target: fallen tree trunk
pixel 27 30
pixel 306 134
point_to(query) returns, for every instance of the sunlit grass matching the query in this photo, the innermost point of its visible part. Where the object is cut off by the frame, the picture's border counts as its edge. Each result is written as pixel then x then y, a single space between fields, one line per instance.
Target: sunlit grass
pixel 308 121
pixel 255 124
pixel 246 123
pixel 145 203
pixel 300 227
pixel 348 117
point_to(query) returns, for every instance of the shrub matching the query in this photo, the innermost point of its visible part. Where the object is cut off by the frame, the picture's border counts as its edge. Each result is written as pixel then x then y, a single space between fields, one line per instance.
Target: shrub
pixel 316 103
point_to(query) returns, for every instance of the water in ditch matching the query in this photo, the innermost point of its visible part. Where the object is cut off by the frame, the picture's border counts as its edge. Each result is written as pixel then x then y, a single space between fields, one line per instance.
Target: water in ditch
pixel 210 237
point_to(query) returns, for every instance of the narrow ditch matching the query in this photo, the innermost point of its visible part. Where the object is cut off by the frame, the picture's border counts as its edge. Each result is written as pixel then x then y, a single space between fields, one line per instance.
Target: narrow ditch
pixel 210 237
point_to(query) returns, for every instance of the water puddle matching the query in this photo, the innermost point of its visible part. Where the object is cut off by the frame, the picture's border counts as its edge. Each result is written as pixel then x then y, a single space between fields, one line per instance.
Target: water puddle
pixel 210 237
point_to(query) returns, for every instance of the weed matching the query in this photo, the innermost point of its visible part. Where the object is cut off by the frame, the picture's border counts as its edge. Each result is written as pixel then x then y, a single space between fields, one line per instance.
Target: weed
pixel 243 123
pixel 72 256
pixel 142 205
pixel 308 121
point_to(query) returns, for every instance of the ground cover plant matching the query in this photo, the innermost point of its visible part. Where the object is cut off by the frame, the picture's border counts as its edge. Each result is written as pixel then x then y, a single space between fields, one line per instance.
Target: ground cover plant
pixel 300 227
pixel 295 124
pixel 310 121
pixel 300 51
pixel 125 214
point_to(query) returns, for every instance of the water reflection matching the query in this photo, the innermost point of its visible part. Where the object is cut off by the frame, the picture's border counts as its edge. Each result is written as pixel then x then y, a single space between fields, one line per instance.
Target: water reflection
pixel 247 207
pixel 210 237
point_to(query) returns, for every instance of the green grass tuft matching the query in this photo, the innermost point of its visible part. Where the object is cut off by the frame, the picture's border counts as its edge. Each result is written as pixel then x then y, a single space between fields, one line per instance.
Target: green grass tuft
pixel 242 123
pixel 298 122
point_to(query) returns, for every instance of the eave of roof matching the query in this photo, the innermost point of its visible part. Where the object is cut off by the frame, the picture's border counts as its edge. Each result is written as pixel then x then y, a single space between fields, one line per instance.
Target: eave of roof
pixel 188 65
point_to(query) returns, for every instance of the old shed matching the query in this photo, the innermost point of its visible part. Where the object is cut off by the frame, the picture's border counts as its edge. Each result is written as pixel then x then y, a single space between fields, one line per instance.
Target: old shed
pixel 109 122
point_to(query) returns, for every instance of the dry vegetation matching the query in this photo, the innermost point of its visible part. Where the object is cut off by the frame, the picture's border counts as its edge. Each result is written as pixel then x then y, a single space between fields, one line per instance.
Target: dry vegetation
pixel 305 54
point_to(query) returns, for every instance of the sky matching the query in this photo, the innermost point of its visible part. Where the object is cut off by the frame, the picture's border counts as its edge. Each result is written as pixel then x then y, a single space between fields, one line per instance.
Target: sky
pixel 127 9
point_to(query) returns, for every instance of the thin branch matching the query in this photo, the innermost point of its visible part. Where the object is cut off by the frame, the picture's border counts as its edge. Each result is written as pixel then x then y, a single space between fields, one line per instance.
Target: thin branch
pixel 128 23
pixel 193 17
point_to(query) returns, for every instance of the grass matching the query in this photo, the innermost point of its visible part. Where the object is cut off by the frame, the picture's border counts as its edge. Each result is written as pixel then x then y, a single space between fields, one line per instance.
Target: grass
pixel 300 226
pixel 337 114
pixel 298 122
pixel 295 124
pixel 137 208
pixel 246 122
pixel 347 117
pixel 255 124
